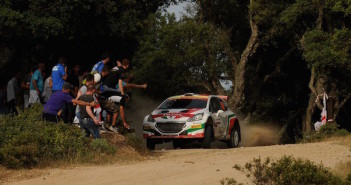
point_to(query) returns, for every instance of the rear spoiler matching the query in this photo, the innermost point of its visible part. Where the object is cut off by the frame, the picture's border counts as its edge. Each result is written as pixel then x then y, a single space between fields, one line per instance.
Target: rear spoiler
pixel 225 98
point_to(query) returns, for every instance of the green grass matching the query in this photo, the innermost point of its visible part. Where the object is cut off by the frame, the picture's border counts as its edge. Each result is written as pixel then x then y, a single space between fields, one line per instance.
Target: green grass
pixel 286 170
pixel 26 141
pixel 328 130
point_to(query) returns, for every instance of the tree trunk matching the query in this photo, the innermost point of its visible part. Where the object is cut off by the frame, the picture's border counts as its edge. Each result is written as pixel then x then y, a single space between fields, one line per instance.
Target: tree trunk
pixel 240 80
pixel 316 86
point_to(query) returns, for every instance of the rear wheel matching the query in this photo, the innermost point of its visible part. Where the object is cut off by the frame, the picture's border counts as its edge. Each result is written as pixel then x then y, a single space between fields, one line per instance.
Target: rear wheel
pixel 234 138
pixel 206 142
pixel 150 144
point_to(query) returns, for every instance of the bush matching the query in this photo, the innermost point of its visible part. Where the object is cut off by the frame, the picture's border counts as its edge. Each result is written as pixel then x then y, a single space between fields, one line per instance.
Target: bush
pixel 288 170
pixel 326 131
pixel 102 146
pixel 26 141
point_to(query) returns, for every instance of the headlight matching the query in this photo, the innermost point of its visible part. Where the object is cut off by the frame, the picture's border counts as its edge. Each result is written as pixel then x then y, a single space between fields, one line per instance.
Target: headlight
pixel 150 119
pixel 197 117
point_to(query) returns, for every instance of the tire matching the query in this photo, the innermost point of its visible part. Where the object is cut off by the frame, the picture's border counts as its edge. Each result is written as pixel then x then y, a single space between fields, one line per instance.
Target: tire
pixel 206 142
pixel 234 138
pixel 150 144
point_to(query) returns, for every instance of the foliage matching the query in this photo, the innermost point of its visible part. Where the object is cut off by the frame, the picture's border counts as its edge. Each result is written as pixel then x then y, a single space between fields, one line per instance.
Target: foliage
pixel 229 14
pixel 43 30
pixel 182 56
pixel 102 146
pixel 326 131
pixel 288 170
pixel 25 141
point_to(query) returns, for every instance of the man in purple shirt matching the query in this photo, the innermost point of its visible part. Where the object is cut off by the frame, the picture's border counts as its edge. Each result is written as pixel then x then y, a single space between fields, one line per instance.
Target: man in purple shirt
pixel 58 100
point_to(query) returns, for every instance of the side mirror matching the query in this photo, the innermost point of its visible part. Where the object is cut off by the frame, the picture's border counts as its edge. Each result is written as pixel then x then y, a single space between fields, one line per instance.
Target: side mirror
pixel 219 112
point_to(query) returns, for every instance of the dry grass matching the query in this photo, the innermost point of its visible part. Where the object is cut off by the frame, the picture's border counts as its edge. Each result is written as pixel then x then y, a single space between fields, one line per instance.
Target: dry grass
pixel 341 140
pixel 342 169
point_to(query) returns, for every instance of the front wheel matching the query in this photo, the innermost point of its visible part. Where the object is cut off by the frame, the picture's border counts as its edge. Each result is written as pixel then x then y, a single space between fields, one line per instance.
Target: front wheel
pixel 234 138
pixel 150 144
pixel 206 142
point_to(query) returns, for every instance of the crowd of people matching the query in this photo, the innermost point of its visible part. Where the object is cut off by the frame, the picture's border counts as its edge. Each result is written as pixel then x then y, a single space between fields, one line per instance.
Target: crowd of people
pixel 93 100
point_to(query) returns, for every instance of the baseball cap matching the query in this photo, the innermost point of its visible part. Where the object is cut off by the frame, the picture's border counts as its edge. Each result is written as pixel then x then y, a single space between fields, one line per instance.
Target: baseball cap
pixel 67 85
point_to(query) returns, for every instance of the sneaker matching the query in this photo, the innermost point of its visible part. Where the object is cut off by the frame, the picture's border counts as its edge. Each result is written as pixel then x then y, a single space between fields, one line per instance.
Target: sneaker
pixel 106 126
pixel 113 129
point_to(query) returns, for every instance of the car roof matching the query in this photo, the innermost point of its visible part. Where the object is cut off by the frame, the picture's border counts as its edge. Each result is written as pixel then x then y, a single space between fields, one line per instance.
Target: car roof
pixel 193 96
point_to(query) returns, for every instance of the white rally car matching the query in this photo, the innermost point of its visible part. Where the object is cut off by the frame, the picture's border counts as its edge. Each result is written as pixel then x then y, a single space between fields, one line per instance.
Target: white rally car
pixel 192 117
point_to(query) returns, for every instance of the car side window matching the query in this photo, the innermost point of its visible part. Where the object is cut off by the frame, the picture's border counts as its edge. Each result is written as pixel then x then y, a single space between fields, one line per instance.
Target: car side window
pixel 215 105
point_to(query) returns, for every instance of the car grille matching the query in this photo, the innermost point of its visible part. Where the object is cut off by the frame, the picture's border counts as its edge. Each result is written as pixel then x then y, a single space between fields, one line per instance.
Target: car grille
pixel 170 127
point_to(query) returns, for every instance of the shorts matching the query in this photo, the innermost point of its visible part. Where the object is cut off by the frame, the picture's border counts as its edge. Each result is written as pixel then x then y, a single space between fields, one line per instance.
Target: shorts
pixel 33 97
pixel 121 100
pixel 109 106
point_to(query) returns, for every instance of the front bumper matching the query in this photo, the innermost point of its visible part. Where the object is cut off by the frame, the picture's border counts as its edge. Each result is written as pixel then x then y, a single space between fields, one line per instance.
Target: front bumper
pixel 189 131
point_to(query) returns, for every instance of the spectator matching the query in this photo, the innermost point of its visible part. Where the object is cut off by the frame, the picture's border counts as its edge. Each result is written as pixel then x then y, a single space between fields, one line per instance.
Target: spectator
pixel 47 89
pixel 58 100
pixel 73 79
pixel 12 92
pixel 82 77
pixel 88 122
pixel 59 75
pixel 36 85
pixel 83 90
pixel 26 87
pixel 115 78
pixel 100 65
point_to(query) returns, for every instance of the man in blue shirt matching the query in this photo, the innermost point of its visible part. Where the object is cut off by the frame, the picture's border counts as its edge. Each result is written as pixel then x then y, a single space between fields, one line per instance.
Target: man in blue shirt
pixel 36 85
pixel 58 100
pixel 101 64
pixel 59 75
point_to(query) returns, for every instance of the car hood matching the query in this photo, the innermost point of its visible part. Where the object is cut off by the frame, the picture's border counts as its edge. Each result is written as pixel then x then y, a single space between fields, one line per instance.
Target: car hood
pixel 174 115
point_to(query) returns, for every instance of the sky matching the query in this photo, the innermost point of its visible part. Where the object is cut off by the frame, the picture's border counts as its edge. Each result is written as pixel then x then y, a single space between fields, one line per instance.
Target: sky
pixel 177 9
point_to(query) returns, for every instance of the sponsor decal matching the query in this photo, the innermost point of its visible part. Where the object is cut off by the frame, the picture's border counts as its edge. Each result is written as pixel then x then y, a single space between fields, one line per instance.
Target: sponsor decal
pixel 176 115
pixel 196 126
pixel 147 127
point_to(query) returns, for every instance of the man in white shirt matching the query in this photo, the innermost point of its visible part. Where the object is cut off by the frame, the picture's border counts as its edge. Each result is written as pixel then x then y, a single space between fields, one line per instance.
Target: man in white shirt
pixel 12 91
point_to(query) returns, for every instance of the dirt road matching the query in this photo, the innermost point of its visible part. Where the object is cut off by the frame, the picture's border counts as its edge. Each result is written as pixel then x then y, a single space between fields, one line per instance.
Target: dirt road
pixel 194 166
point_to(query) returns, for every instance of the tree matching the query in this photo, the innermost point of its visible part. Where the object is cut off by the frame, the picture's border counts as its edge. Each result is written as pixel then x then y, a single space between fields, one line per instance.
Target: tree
pixel 183 56
pixel 33 31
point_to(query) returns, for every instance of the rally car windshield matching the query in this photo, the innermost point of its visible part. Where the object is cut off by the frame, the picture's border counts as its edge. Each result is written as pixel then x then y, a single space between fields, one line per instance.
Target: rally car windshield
pixel 184 104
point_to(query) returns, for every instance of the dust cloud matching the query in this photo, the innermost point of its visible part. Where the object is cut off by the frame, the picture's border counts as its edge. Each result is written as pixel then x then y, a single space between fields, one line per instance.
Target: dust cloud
pixel 260 134
pixel 137 109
